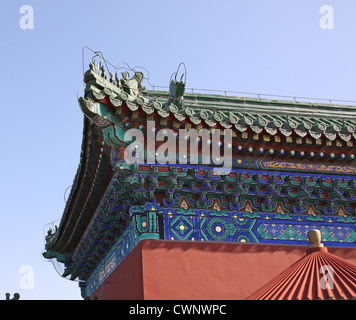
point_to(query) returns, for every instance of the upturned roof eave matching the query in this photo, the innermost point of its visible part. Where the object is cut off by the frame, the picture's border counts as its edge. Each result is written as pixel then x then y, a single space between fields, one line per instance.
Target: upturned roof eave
pixel 70 229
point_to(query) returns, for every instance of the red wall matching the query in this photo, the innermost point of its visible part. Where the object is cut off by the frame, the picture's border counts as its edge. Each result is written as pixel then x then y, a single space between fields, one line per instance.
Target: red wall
pixel 125 282
pixel 177 270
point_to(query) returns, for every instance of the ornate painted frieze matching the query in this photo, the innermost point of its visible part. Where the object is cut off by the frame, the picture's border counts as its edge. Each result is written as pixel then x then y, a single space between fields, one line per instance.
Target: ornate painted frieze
pixel 247 185
pixel 225 199
pixel 255 227
pixel 283 165
pixel 151 221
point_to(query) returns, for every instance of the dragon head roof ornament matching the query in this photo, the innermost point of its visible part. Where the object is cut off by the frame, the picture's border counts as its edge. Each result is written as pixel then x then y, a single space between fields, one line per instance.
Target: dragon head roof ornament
pixel 177 88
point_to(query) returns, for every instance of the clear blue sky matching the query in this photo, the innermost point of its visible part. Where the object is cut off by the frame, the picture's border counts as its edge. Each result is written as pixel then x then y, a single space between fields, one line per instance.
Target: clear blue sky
pixel 274 47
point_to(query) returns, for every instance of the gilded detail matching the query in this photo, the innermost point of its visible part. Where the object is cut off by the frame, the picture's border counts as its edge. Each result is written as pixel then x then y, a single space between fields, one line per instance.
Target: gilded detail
pixel 308 167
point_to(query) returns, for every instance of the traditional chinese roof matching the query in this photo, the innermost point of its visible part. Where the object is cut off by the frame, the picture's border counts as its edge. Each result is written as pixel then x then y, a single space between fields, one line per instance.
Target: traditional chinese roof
pixel 284 161
pixel 319 275
pixel 273 117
